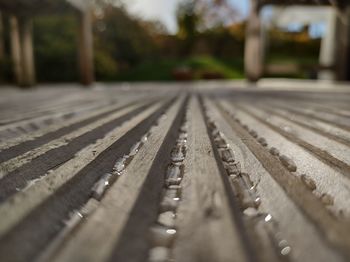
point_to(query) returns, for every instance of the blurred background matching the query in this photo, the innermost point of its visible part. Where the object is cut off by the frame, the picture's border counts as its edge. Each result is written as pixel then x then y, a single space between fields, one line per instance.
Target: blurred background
pixel 158 40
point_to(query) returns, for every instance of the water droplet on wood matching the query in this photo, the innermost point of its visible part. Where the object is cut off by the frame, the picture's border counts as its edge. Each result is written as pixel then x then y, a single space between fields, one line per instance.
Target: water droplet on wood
pixel 119 165
pixel 327 199
pixel 308 181
pixel 181 143
pixel 257 201
pixel 183 136
pixel 247 181
pixel 89 207
pixel 175 187
pixel 221 143
pixel 285 251
pixel 167 219
pixel 250 212
pixel 173 175
pixel 100 186
pixel 253 133
pixel 144 138
pixel 268 218
pixel 159 254
pixel 274 151
pixel 246 199
pixel 74 219
pixel 227 155
pixel 184 128
pixel 283 243
pixel 172 193
pixel 262 141
pixel 177 154
pixel 215 132
pixel 162 236
pixel 134 149
pixel 288 163
pixel 211 124
pixel 233 168
pixel 234 177
pixel 168 204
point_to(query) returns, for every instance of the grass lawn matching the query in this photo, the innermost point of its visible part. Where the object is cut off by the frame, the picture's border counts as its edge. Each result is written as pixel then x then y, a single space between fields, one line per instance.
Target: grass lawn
pixel 306 61
pixel 162 69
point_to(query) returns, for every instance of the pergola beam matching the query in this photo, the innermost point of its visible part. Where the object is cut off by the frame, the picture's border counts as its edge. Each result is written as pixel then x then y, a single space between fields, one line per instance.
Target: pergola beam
pixel 338 3
pixel 253 57
pixel 32 7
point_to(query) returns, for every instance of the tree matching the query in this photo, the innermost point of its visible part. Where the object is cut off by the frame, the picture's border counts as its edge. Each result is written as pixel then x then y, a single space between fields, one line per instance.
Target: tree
pixel 201 15
pixel 195 16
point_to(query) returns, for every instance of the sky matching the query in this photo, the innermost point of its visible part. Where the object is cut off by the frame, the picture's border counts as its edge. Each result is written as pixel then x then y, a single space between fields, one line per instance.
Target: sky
pixel 165 10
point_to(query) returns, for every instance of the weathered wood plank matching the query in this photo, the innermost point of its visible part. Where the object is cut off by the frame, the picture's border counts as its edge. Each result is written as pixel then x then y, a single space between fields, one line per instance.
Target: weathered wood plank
pixel 140 173
pixel 101 233
pixel 207 229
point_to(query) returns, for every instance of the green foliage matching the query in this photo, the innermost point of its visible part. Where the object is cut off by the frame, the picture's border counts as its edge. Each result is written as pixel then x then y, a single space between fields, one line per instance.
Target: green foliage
pixel 221 43
pixel 150 70
pixel 5 69
pixel 187 20
pixel 106 68
pixel 120 43
pixel 123 36
pixel 55 48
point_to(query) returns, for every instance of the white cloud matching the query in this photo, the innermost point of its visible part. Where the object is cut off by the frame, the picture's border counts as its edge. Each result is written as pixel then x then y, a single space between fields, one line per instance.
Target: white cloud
pixel 162 10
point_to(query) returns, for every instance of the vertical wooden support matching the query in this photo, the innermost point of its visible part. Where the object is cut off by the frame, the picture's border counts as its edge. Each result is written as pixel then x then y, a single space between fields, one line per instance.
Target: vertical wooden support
pixel 22 51
pixel 347 63
pixel 15 49
pixel 328 47
pixel 86 48
pixel 2 48
pixel 253 53
pixel 27 53
pixel 2 45
pixel 342 42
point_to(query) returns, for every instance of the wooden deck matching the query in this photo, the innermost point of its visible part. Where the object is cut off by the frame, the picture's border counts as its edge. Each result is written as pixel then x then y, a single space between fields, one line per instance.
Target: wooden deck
pixel 176 172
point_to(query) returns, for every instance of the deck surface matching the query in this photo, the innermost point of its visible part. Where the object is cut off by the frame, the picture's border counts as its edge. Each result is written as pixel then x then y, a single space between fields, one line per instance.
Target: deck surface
pixel 180 172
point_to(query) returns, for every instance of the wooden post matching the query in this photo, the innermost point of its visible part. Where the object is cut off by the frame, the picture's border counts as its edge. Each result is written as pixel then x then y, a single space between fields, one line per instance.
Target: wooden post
pixel 328 47
pixel 346 48
pixel 347 67
pixel 2 45
pixel 2 48
pixel 27 55
pixel 342 43
pixel 15 49
pixel 253 53
pixel 22 51
pixel 86 48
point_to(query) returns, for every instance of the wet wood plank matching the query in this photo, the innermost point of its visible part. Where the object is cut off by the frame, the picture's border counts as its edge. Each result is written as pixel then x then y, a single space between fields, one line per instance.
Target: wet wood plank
pixel 207 171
